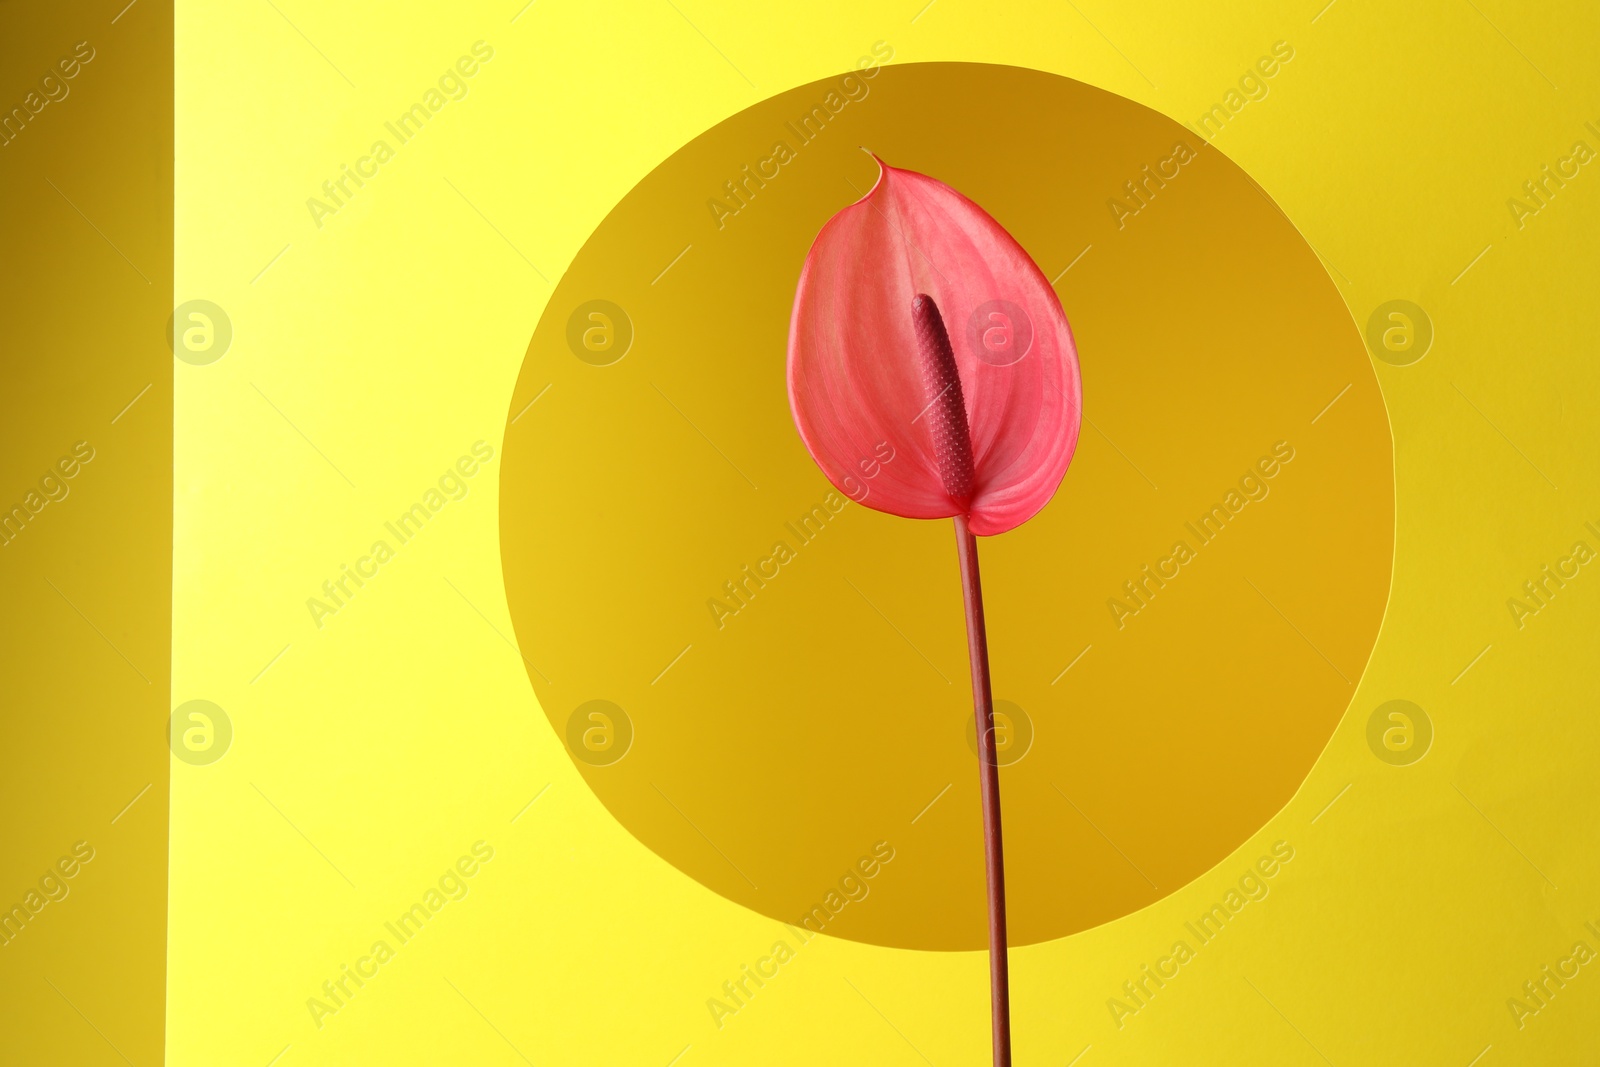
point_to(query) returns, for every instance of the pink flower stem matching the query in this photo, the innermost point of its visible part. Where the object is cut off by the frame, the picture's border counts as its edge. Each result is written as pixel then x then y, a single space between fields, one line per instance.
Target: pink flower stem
pixel 989 783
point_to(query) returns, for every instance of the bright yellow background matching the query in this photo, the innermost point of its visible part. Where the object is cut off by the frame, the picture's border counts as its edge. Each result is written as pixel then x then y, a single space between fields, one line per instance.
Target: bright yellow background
pixel 404 730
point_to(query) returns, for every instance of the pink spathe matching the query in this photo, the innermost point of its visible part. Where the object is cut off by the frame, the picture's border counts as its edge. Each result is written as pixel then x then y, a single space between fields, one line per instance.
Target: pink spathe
pixel 869 359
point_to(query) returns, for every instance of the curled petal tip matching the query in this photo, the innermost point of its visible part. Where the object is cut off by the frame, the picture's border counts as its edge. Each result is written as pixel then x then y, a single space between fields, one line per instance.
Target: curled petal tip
pixel 882 169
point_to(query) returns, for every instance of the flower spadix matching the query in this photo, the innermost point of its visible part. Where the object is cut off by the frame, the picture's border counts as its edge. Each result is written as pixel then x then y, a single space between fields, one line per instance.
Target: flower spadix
pixel 920 323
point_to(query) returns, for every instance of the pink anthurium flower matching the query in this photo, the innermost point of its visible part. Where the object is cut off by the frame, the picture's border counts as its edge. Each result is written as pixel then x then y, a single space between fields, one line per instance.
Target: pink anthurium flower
pixel 920 323
pixel 889 274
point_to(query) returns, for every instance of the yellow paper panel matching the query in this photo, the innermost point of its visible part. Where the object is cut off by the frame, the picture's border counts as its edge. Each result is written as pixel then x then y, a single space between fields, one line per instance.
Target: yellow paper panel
pixel 372 751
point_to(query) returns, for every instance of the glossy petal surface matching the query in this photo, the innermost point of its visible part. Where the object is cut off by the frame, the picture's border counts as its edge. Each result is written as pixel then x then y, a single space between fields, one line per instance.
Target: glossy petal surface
pixel 856 371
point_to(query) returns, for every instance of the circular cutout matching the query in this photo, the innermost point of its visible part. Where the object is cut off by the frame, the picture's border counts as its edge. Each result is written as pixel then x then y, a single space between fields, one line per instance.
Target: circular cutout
pixel 1185 622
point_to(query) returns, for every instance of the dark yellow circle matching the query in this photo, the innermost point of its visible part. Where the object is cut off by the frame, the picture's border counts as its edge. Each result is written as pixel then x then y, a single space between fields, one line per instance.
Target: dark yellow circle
pixel 599 733
pixel 599 332
pixel 1185 622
